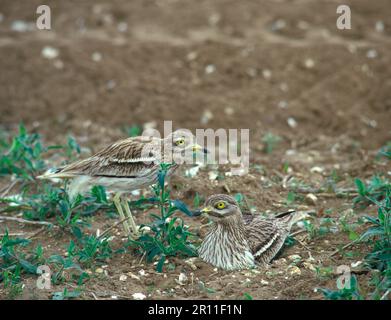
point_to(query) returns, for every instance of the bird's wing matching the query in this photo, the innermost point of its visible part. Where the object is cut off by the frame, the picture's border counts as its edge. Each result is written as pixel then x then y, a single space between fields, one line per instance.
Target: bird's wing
pixel 128 158
pixel 265 237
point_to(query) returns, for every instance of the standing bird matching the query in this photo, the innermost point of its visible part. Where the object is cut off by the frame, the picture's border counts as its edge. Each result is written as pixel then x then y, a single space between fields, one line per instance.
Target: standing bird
pixel 236 243
pixel 126 165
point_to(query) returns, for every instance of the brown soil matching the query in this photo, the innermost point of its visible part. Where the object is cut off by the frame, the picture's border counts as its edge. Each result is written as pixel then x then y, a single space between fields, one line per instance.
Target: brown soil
pixel 155 70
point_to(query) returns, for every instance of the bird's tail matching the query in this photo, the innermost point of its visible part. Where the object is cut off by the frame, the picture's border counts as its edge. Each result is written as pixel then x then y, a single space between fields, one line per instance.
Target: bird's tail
pixel 292 217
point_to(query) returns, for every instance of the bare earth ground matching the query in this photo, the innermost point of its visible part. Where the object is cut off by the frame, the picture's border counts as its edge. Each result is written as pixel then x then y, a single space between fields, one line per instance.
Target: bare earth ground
pixel 249 64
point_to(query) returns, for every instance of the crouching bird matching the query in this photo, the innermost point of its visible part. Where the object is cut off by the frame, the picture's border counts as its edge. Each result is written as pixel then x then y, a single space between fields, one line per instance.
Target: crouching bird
pixel 126 165
pixel 235 242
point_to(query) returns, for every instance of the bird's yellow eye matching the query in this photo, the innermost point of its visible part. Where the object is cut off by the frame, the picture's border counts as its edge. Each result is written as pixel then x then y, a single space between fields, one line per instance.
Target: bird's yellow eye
pixel 220 205
pixel 180 142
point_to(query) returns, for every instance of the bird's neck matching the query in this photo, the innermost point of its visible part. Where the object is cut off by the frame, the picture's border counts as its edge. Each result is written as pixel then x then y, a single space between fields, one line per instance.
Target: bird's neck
pixel 226 247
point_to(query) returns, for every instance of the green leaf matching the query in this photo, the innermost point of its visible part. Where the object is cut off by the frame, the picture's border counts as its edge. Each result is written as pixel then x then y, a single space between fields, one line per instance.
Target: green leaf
pixel 159 267
pixel 182 207
pixel 360 187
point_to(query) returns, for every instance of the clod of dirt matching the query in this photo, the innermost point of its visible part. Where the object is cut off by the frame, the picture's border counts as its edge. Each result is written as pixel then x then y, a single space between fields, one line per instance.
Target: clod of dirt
pixel 311 199
pixel 138 296
pixel 294 270
pixel 294 258
pixel 50 52
pixel 182 279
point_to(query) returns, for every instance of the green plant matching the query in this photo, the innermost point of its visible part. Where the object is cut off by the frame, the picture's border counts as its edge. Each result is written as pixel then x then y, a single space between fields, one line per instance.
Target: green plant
pixel 324 272
pixel 14 261
pixel 351 293
pixel 12 283
pixel 22 155
pixel 291 197
pixel 168 235
pixel 65 294
pixel 374 190
pixel 326 225
pixel 385 151
pixel 71 149
pixel 380 235
pixel 50 201
pixel 92 250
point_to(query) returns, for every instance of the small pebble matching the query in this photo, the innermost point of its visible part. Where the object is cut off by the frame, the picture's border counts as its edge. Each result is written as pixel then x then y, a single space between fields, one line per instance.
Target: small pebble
pixel 283 104
pixel 207 115
pixel 122 26
pixel 50 52
pixel 229 111
pixel 267 74
pixel 210 69
pixel 309 63
pixel 294 270
pixel 96 56
pixel 372 54
pixel 110 85
pixel 192 56
pixel 21 26
pixel 213 175
pixel 182 279
pixel 311 199
pixel 292 122
pixel 317 169
pixel 309 266
pixel 379 26
pixel 294 257
pixel 138 296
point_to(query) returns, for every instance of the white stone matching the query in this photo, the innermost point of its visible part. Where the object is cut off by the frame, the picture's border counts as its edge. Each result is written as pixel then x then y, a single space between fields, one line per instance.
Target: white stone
pixel 182 279
pixel 138 296
pixel 96 56
pixel 317 169
pixel 267 74
pixel 310 198
pixel 294 257
pixel 207 115
pixel 210 68
pixel 372 54
pixel 21 26
pixel 192 172
pixel 122 26
pixel 309 63
pixel 50 52
pixel 294 270
pixel 379 26
pixel 292 122
pixel 213 175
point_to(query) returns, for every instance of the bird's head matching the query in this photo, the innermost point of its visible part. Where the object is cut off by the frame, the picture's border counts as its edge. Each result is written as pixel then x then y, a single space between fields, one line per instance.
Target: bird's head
pixel 221 208
pixel 183 142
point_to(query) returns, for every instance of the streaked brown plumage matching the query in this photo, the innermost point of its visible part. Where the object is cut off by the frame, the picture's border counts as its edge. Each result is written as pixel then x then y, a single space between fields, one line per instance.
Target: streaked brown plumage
pixel 126 165
pixel 235 242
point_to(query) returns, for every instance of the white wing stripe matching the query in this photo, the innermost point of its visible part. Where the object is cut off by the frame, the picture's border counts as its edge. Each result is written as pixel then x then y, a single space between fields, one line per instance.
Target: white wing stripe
pixel 267 246
pixel 132 160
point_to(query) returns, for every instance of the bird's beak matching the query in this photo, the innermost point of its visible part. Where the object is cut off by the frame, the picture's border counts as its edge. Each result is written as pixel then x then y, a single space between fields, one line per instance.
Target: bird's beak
pixel 206 210
pixel 199 212
pixel 197 147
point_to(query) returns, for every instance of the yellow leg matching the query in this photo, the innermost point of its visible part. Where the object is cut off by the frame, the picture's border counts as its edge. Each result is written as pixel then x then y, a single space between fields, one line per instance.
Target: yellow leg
pixel 117 203
pixel 136 234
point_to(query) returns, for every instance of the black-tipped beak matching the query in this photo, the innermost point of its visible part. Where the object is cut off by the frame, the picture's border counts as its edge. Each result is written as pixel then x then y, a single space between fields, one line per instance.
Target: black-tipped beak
pixel 196 213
